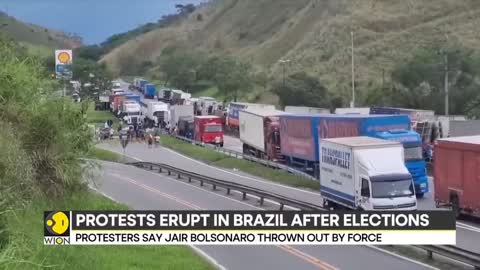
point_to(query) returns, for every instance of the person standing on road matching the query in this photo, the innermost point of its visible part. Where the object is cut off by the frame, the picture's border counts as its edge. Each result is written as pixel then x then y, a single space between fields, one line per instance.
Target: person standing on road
pixel 150 140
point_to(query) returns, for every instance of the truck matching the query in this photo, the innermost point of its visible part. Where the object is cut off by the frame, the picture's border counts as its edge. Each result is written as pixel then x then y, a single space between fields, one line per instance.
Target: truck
pixel 233 109
pixel 260 133
pixel 165 95
pixel 306 110
pixel 186 127
pixel 149 91
pixel 299 136
pixel 116 102
pixel 131 112
pixel 456 173
pixel 363 111
pixel 177 111
pixel 133 97
pixel 155 113
pixel 209 130
pixel 206 106
pixel 365 173
pixel 141 85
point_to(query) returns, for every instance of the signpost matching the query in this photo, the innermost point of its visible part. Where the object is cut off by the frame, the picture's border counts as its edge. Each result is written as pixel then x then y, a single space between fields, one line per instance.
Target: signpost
pixel 63 66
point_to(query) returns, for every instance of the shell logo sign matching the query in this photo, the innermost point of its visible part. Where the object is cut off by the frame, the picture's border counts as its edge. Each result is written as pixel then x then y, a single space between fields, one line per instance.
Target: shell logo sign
pixel 63 63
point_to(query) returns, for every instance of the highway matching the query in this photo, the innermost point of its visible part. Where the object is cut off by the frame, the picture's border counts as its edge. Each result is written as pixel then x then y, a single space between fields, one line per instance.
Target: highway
pixel 468 233
pixel 143 190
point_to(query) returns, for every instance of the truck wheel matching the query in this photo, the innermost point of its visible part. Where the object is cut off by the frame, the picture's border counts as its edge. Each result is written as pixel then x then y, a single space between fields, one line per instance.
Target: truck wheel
pixel 455 205
pixel 221 144
pixel 420 195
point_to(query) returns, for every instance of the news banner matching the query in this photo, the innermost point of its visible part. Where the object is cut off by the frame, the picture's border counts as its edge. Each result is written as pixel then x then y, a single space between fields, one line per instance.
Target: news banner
pixel 249 228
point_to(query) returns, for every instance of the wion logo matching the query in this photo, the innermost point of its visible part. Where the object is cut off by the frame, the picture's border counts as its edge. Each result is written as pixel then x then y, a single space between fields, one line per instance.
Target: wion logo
pixel 56 226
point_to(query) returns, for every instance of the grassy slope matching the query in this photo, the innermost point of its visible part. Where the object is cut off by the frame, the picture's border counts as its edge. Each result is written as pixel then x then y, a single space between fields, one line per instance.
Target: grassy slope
pixel 26 232
pixel 315 34
pixel 217 159
pixel 33 34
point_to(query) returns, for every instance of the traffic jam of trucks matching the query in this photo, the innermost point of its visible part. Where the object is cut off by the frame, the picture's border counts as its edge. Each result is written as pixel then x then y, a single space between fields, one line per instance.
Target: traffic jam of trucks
pixel 365 158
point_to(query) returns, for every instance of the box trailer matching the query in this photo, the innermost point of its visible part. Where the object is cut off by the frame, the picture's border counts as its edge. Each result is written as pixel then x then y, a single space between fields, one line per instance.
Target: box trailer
pixel 177 111
pixel 234 109
pixel 364 173
pixel 306 110
pixel 456 172
pixel 299 136
pixel 260 133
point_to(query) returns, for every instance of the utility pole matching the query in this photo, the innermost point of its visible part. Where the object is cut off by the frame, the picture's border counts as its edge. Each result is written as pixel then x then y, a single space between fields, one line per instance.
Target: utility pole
pixel 352 104
pixel 284 63
pixel 445 55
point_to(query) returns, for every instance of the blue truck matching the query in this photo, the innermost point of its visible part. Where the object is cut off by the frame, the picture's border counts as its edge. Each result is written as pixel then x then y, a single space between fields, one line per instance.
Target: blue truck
pixel 149 91
pixel 300 134
pixel 133 97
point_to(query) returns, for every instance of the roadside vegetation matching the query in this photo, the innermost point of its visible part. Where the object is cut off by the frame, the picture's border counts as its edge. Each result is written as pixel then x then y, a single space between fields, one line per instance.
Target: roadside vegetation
pixel 45 143
pixel 220 160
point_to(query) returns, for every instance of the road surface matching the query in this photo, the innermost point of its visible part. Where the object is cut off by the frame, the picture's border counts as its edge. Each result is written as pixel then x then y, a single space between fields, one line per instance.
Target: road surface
pixel 143 190
pixel 468 233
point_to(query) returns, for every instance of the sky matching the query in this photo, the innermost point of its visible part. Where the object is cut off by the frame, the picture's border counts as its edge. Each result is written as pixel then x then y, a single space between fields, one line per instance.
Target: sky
pixel 93 20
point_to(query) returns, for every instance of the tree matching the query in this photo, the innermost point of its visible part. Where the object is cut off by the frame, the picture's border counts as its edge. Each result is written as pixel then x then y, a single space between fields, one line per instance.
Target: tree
pixel 232 76
pixel 302 89
pixel 419 82
pixel 180 67
pixel 88 71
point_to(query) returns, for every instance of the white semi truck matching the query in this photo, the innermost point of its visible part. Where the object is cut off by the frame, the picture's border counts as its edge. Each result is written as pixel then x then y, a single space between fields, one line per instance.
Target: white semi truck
pixel 132 112
pixel 364 173
pixel 155 112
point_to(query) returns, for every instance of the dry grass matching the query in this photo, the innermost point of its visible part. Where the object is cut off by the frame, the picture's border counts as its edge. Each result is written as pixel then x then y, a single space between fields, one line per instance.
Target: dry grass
pixel 315 34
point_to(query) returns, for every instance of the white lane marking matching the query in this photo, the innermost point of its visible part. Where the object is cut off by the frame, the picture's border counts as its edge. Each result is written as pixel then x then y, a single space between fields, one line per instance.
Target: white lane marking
pixel 402 257
pixel 468 227
pixel 372 247
pixel 459 224
pixel 209 258
pixel 242 176
pixel 104 194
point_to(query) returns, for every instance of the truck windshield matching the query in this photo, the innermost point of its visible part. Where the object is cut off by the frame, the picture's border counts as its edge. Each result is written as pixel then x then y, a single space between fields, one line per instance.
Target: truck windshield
pixel 389 188
pixel 413 153
pixel 213 128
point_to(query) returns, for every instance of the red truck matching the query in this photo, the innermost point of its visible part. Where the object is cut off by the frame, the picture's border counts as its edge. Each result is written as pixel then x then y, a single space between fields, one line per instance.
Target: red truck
pixel 457 174
pixel 209 129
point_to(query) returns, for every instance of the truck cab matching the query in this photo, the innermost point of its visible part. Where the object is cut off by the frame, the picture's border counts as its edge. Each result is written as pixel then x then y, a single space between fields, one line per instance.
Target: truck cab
pixel 414 160
pixel 209 129
pixel 365 173
pixel 131 111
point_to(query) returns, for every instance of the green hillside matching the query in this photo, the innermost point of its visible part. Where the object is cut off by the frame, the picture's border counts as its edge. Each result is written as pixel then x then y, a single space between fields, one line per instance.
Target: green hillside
pixel 36 35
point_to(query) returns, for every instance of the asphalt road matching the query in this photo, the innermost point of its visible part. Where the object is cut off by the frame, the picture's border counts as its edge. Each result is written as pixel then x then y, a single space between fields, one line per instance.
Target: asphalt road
pixel 145 190
pixel 468 233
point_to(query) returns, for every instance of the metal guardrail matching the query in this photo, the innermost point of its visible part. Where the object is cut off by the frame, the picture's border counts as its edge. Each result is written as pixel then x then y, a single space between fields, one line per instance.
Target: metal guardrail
pixel 229 186
pixel 240 155
pixel 451 252
pixel 454 253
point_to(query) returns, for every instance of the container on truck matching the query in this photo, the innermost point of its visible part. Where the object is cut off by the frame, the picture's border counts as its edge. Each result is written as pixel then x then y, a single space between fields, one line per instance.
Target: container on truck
pixel 117 103
pixel 206 106
pixel 150 91
pixel 416 115
pixel 141 85
pixel 209 130
pixel 306 110
pixel 363 111
pixel 133 97
pixel 155 113
pixel 456 172
pixel 260 132
pixel 177 111
pixel 300 135
pixel 165 95
pixel 234 108
pixel 365 173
